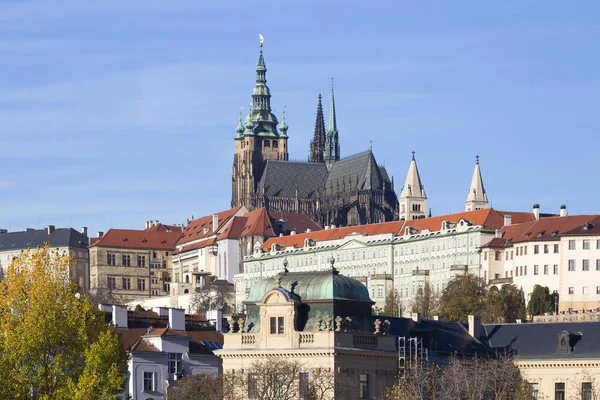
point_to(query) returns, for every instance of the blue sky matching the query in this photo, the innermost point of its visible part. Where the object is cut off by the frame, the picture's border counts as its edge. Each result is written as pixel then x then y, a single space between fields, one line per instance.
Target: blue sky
pixel 117 112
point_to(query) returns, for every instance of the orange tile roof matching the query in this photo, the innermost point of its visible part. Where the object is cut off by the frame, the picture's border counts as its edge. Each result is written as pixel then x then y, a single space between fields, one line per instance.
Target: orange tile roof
pixel 196 229
pixel 488 218
pixel 143 345
pixel 195 246
pixel 544 229
pixel 261 222
pixel 333 234
pixel 135 239
pixel 165 228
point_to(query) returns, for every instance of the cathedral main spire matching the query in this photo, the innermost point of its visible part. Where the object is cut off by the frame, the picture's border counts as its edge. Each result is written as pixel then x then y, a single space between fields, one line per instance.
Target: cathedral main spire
pixel 477 197
pixel 413 200
pixel 332 142
pixel 317 144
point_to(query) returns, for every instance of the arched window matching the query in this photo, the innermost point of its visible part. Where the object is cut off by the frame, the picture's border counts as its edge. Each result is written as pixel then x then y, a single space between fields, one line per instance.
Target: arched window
pixel 186 291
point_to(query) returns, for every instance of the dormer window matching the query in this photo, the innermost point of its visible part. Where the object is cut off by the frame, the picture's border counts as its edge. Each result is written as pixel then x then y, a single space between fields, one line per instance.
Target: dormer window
pixel 277 325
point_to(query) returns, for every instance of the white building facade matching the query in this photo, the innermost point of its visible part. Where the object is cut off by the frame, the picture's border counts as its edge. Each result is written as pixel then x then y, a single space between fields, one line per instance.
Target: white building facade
pixel 400 255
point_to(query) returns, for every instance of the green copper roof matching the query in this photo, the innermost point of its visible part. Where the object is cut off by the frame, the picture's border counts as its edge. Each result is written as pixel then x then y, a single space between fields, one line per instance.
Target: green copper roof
pixel 260 120
pixel 314 286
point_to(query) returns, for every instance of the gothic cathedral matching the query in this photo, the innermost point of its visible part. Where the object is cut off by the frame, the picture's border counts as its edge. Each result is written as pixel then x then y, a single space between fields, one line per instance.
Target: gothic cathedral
pixel 329 189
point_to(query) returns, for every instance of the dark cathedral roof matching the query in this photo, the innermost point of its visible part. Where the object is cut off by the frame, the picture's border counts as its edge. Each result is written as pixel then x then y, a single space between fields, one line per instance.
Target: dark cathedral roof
pixel 358 170
pixel 283 178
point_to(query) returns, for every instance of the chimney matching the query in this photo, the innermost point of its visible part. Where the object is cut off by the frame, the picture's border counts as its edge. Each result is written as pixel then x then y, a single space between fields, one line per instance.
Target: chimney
pixel 84 231
pixel 518 321
pixel 51 228
pixel 416 317
pixel 563 210
pixel 119 316
pixel 536 211
pixel 156 222
pixel 215 222
pixel 147 225
pixel 475 326
pixel 292 233
pixel 100 234
pixel 437 318
pixel 162 311
pixel 308 230
pixel 507 220
pixel 215 317
pixel 498 233
pixel 177 319
pixel 332 226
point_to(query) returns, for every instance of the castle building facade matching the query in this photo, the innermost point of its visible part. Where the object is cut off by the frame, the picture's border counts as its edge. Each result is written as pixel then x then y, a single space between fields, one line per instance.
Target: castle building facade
pixel 331 190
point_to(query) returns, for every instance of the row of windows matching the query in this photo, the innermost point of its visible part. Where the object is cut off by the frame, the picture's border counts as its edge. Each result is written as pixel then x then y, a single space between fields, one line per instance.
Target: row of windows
pixel 522 270
pixel 111 260
pixel 546 249
pixel 585 244
pixel 584 290
pixel 585 265
pixel 125 283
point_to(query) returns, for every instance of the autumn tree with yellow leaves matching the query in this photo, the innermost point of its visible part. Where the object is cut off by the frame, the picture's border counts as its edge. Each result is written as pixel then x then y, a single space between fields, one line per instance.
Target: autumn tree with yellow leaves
pixel 54 343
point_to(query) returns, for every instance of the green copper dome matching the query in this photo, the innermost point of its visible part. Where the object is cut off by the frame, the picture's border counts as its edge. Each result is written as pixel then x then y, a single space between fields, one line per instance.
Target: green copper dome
pixel 314 286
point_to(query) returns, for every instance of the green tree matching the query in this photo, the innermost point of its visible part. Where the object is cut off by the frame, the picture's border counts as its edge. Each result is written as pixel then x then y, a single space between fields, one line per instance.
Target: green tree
pixel 540 301
pixel 463 296
pixel 426 302
pixel 54 343
pixel 393 304
pixel 504 306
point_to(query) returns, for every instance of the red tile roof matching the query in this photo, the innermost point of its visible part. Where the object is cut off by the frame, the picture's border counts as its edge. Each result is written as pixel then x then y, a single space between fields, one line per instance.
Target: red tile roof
pixel 333 234
pixel 195 230
pixel 135 239
pixel 488 218
pixel 195 246
pixel 165 228
pixel 261 222
pixel 143 345
pixel 544 229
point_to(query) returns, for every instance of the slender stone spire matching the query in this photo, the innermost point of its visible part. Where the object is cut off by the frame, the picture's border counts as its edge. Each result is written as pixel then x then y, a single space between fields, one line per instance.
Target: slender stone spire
pixel 413 200
pixel 332 143
pixel 317 144
pixel 477 197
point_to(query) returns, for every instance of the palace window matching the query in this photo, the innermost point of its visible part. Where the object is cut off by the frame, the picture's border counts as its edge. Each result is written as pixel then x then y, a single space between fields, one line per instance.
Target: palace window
pixel 586 391
pixel 559 391
pixel 571 265
pixel 277 325
pixel 141 261
pixel 275 144
pixel 363 387
pixel 585 290
pixel 555 269
pixel 585 265
pixel 110 259
pixel 148 381
pixel 536 249
pixel 597 265
pixel 545 249
pixel 571 290
pixel 555 249
pixel 497 256
pixel 141 284
pixel 174 363
pixel 303 385
pixel 535 270
pixel 571 247
pixel 126 260
pixel 112 282
pixel 535 389
pixel 154 254
pixel 126 283
pixel 586 244
pixel 545 270
pixel 267 143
